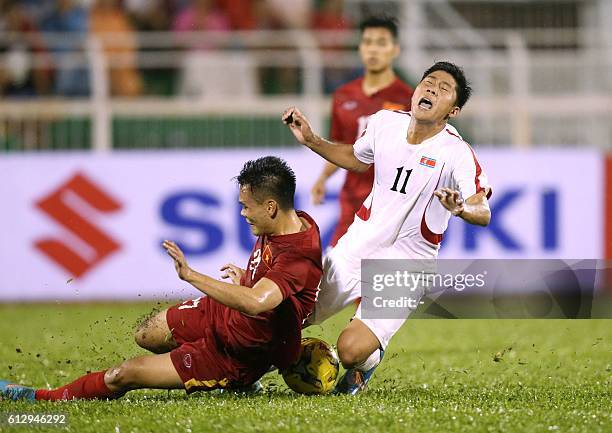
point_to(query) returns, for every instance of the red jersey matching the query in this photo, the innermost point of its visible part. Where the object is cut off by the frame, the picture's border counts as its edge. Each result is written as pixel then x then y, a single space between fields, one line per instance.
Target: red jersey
pixel 350 112
pixel 293 262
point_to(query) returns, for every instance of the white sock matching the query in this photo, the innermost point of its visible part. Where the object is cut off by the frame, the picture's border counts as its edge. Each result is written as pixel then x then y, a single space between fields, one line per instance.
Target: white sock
pixel 372 361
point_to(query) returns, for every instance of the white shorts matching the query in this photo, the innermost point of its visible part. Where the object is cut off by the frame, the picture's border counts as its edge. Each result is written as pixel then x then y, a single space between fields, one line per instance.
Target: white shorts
pixel 340 287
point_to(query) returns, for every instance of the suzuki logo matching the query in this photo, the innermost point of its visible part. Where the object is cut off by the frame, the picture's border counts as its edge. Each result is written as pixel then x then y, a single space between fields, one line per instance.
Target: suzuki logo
pixel 73 205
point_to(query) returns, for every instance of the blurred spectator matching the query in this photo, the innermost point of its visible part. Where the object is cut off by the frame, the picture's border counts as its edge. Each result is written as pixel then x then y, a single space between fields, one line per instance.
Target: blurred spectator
pixel 37 10
pixel 282 15
pixel 19 73
pixel 294 14
pixel 251 14
pixel 109 21
pixel 151 15
pixel 329 15
pixel 72 78
pixel 208 72
pixel 241 13
pixel 154 16
pixel 201 15
pixel 267 14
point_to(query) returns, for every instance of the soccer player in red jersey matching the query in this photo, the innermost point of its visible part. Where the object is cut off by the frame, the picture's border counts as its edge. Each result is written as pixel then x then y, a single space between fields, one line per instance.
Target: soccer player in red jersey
pixel 233 335
pixel 353 103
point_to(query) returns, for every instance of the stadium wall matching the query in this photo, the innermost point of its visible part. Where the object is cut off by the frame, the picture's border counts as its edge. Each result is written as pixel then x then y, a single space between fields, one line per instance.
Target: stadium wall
pixel 82 226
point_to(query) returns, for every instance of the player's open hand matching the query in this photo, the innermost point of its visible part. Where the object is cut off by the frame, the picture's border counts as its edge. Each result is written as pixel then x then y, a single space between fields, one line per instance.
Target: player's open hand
pixel 318 192
pixel 299 125
pixel 451 200
pixel 233 272
pixel 180 263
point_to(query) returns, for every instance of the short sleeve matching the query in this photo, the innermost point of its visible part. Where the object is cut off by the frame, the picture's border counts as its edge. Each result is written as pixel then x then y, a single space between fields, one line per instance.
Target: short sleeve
pixel 468 175
pixel 364 146
pixel 290 272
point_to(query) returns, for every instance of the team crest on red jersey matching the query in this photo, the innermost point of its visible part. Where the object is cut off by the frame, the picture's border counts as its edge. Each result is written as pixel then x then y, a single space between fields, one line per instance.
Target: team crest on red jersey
pixel 267 255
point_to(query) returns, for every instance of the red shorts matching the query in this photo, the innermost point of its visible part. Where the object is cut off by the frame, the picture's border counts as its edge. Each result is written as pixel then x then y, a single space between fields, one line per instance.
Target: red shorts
pixel 201 360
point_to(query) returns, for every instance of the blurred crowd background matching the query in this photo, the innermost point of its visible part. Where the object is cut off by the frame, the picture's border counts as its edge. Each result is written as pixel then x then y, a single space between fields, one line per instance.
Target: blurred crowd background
pixel 29 20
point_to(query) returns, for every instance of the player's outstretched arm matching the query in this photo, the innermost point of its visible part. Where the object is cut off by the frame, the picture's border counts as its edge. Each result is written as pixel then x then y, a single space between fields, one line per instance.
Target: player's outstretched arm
pixel 264 296
pixel 318 189
pixel 474 210
pixel 341 155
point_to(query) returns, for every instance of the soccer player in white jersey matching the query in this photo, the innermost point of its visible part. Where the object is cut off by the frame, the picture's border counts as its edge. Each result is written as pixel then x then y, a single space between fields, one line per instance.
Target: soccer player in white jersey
pixel 424 174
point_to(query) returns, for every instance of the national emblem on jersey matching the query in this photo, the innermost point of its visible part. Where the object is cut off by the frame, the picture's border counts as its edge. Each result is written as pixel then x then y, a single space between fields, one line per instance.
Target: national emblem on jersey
pixel 267 256
pixel 428 162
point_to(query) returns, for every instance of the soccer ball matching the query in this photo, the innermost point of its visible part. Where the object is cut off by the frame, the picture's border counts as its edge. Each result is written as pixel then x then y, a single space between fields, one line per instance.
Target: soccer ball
pixel 316 370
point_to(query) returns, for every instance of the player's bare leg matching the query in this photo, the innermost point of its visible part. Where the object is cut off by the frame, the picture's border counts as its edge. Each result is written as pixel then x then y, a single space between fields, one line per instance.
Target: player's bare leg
pixel 149 371
pixel 360 353
pixel 155 335
pixel 356 343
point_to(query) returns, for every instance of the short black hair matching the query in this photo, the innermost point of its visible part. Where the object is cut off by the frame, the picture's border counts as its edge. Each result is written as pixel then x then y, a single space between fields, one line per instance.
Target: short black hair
pixel 383 21
pixel 463 89
pixel 269 177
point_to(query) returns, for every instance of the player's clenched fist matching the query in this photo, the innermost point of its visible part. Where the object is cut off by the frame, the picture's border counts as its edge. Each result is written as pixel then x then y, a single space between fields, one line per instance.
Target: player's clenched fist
pixel 180 263
pixel 299 125
pixel 451 200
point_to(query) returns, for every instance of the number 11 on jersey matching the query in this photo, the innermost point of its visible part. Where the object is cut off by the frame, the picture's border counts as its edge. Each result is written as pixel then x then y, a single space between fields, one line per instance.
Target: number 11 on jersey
pixel 400 170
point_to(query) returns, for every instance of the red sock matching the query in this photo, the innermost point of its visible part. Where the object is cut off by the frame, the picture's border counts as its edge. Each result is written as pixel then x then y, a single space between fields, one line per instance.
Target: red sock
pixel 88 387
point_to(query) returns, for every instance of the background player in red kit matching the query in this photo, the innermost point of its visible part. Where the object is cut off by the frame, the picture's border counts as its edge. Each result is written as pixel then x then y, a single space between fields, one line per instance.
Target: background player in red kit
pixel 354 103
pixel 232 336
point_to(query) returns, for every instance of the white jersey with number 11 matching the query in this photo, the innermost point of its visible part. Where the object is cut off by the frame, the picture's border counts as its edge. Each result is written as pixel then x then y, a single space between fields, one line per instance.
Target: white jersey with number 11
pixel 401 218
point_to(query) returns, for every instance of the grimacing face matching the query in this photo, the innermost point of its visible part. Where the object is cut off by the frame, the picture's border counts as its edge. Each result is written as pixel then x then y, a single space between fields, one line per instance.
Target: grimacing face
pixel 256 214
pixel 435 98
pixel 377 49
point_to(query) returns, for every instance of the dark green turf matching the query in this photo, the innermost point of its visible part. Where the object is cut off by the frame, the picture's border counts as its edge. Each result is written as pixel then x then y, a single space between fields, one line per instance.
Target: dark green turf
pixel 438 376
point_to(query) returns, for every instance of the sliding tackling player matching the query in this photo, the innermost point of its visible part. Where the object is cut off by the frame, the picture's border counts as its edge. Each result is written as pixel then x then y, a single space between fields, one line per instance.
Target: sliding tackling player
pixel 232 336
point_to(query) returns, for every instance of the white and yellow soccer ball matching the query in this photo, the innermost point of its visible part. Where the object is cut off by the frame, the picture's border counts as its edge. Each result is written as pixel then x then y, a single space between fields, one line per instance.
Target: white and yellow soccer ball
pixel 316 370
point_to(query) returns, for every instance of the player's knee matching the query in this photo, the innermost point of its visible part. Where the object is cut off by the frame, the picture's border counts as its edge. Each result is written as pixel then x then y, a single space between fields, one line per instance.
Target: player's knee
pixel 114 378
pixel 151 336
pixel 356 343
pixel 124 376
pixel 145 338
pixel 350 350
pixel 140 337
pixel 351 356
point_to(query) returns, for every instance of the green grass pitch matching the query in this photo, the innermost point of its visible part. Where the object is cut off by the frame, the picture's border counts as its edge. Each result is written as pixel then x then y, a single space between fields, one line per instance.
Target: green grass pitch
pixel 438 376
